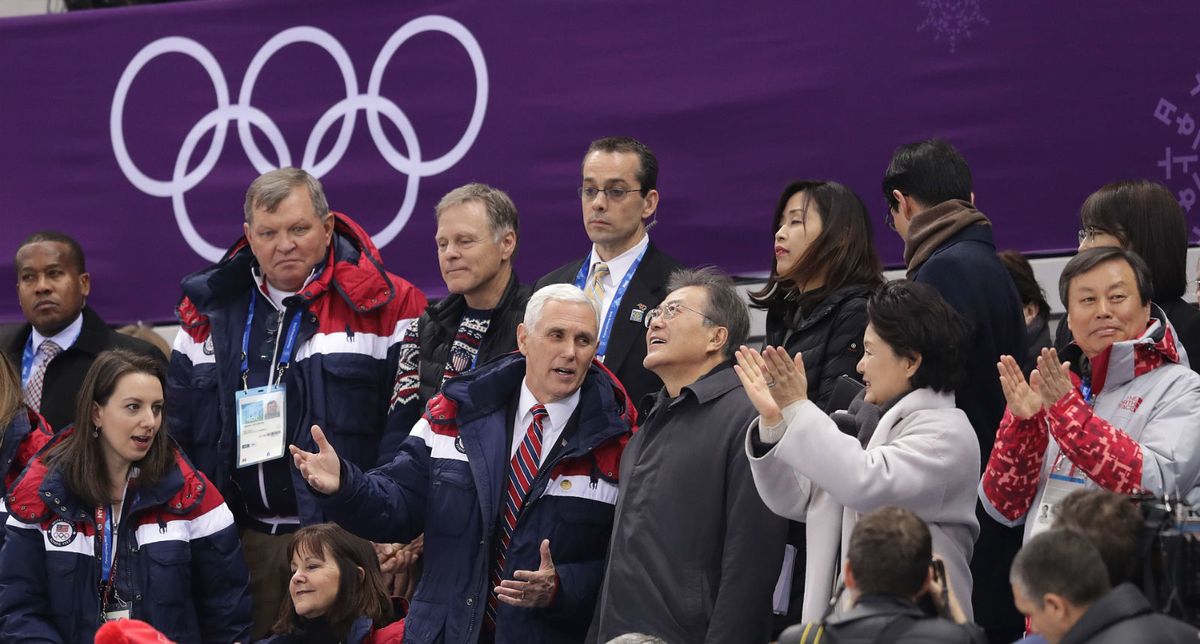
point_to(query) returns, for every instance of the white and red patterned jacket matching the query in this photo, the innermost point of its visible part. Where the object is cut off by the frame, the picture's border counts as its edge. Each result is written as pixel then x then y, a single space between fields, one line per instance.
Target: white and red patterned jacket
pixel 1139 434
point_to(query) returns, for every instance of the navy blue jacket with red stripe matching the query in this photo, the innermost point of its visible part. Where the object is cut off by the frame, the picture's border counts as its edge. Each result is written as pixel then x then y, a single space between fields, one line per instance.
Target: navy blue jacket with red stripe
pixel 179 562
pixel 26 434
pixel 447 481
pixel 354 315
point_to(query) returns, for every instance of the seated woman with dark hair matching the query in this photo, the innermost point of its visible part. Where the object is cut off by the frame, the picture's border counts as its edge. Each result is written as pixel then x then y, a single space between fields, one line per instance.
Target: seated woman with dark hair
pixel 24 432
pixel 1033 303
pixel 1144 217
pixel 113 522
pixel 824 270
pixel 336 592
pixel 913 448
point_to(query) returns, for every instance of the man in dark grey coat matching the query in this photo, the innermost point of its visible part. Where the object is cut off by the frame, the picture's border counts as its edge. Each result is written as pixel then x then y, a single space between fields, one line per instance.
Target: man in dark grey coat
pixel 695 554
pixel 1061 584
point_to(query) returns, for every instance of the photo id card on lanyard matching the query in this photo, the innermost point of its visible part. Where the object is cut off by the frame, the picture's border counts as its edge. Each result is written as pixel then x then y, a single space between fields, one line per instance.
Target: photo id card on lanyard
pixel 1058 487
pixel 112 606
pixel 262 411
pixel 611 315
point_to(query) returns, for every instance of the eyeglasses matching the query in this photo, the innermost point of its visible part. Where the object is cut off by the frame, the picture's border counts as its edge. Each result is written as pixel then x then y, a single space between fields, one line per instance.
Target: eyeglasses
pixel 613 194
pixel 1090 233
pixel 888 218
pixel 669 312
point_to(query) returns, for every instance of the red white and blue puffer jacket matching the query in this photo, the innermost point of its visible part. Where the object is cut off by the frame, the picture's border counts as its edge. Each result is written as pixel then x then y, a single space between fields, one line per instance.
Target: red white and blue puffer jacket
pixel 447 481
pixel 179 561
pixel 354 315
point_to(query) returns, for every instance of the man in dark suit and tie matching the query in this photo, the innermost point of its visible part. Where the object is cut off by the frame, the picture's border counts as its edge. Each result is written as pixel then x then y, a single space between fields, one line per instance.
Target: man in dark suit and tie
pixel 625 274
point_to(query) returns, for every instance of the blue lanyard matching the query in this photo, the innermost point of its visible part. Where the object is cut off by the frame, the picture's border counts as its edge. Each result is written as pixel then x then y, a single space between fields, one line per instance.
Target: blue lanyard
pixel 611 316
pixel 104 518
pixel 1085 388
pixel 27 360
pixel 289 342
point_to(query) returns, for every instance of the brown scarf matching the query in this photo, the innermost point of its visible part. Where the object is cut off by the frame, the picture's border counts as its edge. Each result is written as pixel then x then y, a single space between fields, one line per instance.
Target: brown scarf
pixel 931 228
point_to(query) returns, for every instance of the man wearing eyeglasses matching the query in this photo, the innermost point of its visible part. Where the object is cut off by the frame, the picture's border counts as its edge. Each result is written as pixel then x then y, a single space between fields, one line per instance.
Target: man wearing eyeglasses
pixel 948 245
pixel 625 274
pixel 695 554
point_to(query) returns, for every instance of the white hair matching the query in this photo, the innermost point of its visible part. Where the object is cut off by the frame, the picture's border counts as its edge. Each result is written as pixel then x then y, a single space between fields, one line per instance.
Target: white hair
pixel 568 293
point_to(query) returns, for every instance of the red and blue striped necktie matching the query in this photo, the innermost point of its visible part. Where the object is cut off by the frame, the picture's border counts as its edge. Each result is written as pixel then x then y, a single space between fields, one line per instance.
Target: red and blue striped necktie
pixel 522 469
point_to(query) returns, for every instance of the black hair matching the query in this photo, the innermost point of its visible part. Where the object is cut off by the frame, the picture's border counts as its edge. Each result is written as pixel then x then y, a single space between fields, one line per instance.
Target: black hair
pixel 647 174
pixel 930 171
pixel 843 252
pixel 1088 259
pixel 1022 275
pixel 75 251
pixel 914 320
pixel 1148 220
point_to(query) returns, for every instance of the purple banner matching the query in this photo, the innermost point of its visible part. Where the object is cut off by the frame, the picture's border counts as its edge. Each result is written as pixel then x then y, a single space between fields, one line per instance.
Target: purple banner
pixel 138 130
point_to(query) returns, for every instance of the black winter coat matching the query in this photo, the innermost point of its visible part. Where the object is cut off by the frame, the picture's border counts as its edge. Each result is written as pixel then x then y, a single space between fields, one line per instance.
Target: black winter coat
pixel 830 337
pixel 873 614
pixel 1124 615
pixel 64 376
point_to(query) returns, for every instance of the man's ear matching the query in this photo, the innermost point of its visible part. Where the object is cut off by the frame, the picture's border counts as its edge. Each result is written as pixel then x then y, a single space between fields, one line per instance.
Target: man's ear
pixel 716 342
pixel 522 336
pixel 848 576
pixel 904 205
pixel 972 198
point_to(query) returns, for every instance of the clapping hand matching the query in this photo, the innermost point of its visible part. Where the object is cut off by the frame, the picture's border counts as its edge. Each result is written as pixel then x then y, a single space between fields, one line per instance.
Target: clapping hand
pixel 1024 401
pixel 1055 377
pixel 772 380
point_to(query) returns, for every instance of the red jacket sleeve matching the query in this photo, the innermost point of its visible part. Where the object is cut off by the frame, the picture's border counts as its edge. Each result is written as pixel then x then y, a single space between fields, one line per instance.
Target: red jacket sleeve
pixel 1010 479
pixel 1108 456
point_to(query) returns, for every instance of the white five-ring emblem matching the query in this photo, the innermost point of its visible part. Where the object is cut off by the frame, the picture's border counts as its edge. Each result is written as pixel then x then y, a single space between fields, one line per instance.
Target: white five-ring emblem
pixel 245 114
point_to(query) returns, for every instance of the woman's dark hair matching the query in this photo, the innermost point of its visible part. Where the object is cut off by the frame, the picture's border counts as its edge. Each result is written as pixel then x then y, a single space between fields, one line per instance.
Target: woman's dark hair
pixel 1022 275
pixel 843 252
pixel 359 593
pixel 1148 220
pixel 80 455
pixel 915 321
pixel 11 401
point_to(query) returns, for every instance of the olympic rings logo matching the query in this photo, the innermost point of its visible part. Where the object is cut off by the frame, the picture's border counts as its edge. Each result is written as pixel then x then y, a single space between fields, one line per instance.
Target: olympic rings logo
pixel 246 115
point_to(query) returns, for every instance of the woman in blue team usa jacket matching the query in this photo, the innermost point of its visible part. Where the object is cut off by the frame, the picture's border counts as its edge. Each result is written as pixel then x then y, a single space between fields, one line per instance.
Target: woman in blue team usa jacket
pixel 114 522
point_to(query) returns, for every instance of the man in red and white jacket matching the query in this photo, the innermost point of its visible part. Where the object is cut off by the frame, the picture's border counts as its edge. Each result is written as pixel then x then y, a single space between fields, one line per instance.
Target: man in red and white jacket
pixel 300 305
pixel 1127 424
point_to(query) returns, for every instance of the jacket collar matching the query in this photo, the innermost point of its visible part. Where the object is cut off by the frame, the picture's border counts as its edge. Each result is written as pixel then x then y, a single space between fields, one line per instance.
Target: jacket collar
pixel 491 388
pixel 720 380
pixel 41 491
pixel 1121 603
pixel 869 606
pixel 354 269
pixel 1123 361
pixel 939 226
pixel 448 312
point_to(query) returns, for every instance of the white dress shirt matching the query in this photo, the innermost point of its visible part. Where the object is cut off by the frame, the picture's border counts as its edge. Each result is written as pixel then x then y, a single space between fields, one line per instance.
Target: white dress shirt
pixel 617 268
pixel 559 413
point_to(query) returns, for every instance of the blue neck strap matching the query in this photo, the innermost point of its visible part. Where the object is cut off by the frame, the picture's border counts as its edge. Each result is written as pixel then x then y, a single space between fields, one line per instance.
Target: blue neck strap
pixel 611 315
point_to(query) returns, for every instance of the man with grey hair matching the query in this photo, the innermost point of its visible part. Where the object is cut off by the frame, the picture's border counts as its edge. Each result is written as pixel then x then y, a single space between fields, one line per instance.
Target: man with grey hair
pixel 299 315
pixel 512 475
pixel 695 553
pixel 477 237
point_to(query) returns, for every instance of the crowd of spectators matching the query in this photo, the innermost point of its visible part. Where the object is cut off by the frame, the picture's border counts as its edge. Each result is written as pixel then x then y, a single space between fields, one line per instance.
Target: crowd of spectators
pixel 325 456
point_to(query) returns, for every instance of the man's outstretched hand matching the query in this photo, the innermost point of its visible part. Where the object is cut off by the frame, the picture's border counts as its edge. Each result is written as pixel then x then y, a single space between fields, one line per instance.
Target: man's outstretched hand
pixel 323 470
